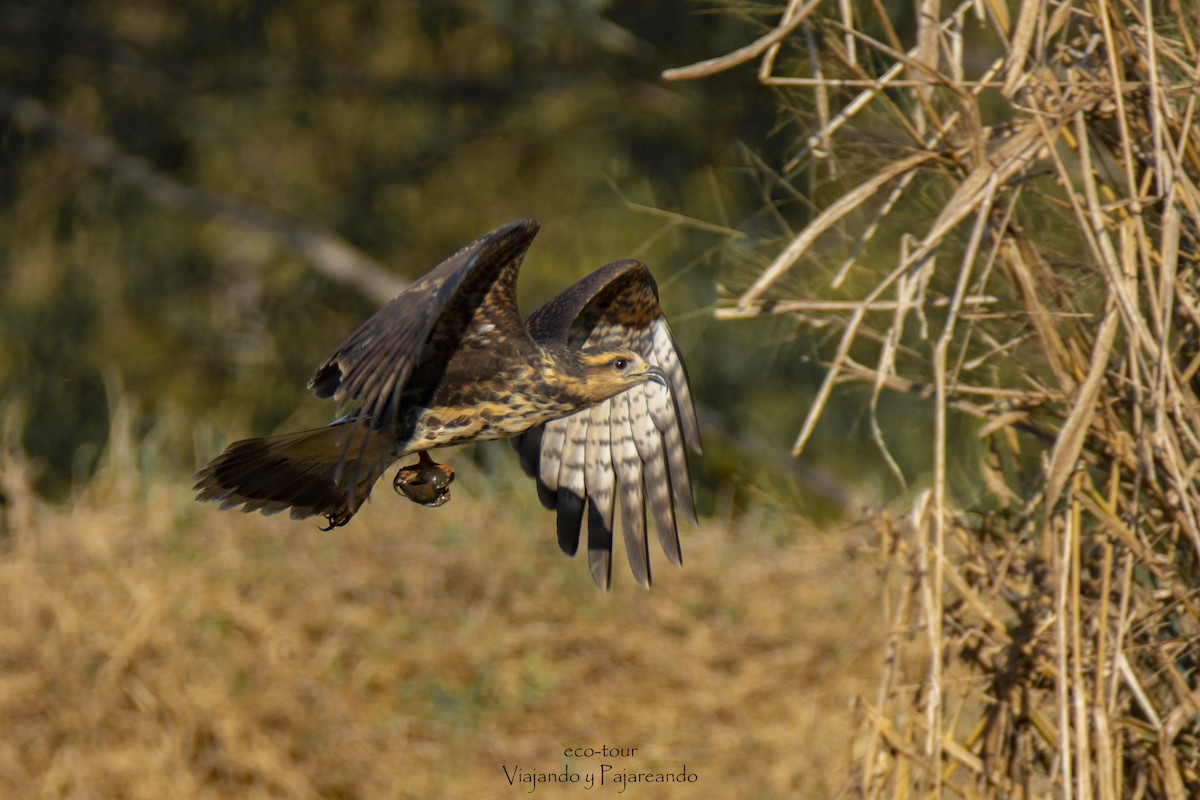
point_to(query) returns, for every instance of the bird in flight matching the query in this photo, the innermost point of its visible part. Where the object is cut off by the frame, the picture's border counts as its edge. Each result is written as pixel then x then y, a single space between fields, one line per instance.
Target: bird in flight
pixel 590 389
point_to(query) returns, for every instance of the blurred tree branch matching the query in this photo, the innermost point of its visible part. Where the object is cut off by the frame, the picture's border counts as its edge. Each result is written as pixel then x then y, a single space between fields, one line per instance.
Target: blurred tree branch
pixel 328 254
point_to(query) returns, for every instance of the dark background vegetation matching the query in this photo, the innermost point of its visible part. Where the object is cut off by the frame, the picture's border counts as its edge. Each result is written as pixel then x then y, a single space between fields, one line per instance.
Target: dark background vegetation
pixel 406 130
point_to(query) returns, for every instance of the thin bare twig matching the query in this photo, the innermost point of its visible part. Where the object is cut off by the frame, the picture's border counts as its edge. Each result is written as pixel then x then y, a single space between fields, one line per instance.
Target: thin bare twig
pixel 328 254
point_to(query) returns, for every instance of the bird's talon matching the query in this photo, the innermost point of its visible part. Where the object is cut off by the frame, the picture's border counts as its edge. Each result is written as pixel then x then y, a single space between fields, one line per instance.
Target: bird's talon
pixel 336 520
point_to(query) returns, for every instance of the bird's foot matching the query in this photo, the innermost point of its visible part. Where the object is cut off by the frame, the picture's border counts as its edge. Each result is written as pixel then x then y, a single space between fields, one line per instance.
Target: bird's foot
pixel 349 505
pixel 426 482
pixel 336 519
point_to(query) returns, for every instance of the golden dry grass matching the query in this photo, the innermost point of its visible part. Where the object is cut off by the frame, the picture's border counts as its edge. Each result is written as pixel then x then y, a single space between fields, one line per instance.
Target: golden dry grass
pixel 151 647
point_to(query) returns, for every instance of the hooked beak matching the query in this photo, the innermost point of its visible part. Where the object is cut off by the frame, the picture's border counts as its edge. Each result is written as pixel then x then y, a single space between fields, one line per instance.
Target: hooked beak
pixel 656 374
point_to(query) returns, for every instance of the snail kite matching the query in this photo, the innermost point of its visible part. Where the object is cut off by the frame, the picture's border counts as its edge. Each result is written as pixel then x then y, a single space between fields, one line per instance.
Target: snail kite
pixel 590 388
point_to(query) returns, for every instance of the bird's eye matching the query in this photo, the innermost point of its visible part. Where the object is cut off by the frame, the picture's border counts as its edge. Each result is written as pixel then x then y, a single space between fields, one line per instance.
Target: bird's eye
pixel 620 363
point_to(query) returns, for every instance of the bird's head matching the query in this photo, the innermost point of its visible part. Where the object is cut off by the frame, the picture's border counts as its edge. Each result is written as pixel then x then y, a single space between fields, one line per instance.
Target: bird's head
pixel 608 371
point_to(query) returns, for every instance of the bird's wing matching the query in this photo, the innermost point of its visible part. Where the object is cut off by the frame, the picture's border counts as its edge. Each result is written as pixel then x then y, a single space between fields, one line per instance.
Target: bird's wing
pixel 472 294
pixel 628 452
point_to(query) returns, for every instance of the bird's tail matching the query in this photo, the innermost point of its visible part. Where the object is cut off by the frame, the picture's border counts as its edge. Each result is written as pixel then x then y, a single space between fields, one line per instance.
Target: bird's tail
pixel 327 471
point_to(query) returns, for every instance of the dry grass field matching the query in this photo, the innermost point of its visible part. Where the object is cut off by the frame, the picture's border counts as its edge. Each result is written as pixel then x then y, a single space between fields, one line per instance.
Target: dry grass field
pixel 152 647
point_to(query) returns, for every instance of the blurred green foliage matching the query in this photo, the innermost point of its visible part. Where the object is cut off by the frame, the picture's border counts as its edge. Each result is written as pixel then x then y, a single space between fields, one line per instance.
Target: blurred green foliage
pixel 406 129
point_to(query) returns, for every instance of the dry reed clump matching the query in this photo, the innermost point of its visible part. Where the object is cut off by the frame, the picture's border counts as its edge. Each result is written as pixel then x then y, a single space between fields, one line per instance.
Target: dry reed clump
pixel 152 647
pixel 1004 221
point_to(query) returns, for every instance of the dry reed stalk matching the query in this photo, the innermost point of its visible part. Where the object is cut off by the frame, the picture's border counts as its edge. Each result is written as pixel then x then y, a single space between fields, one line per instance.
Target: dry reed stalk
pixel 1053 293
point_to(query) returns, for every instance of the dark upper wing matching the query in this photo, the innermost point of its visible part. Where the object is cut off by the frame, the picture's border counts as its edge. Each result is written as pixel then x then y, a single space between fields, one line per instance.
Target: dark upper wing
pixel 425 324
pixel 417 334
pixel 630 447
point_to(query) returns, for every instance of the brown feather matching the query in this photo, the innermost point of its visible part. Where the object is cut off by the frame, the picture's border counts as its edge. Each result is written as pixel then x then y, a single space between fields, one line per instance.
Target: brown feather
pixel 291 470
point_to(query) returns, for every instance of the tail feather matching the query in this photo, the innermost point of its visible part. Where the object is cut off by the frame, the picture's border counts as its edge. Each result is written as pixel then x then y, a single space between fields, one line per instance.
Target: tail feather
pixel 302 471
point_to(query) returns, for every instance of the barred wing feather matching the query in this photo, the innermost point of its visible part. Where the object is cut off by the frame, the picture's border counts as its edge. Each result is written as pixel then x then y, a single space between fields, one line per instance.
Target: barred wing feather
pixel 628 452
